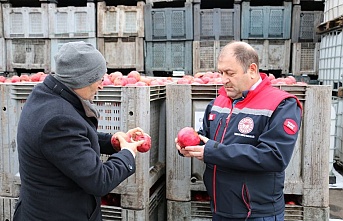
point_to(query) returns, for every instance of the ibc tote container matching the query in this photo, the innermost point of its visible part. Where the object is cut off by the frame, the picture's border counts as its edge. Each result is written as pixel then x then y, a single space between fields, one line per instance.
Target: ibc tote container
pixel 304 24
pixel 273 54
pixel 337 103
pixel 120 21
pixel 71 21
pixel 266 22
pixel 25 22
pixel 57 43
pixel 332 9
pixel 122 53
pixel 121 108
pixel 331 60
pixel 306 175
pixel 28 54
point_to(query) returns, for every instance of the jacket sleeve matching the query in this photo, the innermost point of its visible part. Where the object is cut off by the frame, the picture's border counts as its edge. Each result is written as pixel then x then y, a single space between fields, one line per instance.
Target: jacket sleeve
pixel 274 150
pixel 66 145
pixel 105 143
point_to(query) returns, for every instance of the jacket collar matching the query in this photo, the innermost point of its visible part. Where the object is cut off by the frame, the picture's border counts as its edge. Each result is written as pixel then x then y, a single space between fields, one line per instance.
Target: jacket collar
pixel 60 89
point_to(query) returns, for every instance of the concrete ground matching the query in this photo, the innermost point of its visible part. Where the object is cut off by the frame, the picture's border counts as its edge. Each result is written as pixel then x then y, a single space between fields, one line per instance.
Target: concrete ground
pixel 336 197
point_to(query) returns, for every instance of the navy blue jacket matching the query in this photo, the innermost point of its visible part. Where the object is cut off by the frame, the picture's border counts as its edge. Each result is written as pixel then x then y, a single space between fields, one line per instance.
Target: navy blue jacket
pixel 250 146
pixel 62 176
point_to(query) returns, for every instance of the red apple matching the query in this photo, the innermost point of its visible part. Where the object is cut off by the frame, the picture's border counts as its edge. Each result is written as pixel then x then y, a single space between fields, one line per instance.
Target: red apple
pixel 187 136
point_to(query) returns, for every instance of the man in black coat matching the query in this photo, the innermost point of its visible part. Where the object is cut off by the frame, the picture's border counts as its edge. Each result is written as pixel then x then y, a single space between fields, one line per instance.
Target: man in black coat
pixel 62 176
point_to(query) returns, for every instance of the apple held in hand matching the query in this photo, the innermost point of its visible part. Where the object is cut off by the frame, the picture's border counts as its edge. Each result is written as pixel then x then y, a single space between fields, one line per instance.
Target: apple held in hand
pixel 187 136
pixel 115 142
pixel 147 141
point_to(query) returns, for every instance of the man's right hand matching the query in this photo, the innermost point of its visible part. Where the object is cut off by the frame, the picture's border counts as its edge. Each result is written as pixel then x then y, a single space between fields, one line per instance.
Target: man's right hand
pixel 131 146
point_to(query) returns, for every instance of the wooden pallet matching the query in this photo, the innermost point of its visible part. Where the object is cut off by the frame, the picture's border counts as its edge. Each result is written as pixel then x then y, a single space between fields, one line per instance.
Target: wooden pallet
pixel 330 25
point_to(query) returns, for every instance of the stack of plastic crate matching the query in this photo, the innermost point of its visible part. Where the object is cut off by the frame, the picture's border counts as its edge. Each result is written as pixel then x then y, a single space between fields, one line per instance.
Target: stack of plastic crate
pixel 306 180
pixel 168 36
pixel 121 35
pixel 69 24
pixel 26 37
pixel 305 40
pixel 213 28
pixel 267 29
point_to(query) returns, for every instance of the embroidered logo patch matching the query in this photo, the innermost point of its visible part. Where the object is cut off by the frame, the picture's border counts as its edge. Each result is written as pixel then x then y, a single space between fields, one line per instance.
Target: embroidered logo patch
pixel 290 126
pixel 246 125
pixel 211 116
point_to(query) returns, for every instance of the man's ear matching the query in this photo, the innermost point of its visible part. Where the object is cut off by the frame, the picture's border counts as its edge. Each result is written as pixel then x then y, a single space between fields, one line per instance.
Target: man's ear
pixel 253 70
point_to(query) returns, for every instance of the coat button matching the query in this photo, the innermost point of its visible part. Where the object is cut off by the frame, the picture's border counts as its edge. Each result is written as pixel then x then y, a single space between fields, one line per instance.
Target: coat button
pixel 130 166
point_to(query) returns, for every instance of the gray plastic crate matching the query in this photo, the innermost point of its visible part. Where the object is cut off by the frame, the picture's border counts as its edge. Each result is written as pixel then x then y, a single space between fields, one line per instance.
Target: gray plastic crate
pixel 168 56
pixel 1 22
pixel 2 55
pixel 12 102
pixel 305 58
pixel 121 108
pixel 217 24
pixel 72 22
pixel 273 54
pixel 205 55
pixel 266 22
pixel 156 211
pixel 123 53
pixel 28 54
pixel 167 24
pixel 201 211
pixel 304 24
pixel 307 173
pixel 120 21
pixel 7 206
pixel 25 22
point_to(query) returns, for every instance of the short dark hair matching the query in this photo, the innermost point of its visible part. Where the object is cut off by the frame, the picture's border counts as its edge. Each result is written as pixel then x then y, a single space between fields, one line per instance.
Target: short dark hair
pixel 244 53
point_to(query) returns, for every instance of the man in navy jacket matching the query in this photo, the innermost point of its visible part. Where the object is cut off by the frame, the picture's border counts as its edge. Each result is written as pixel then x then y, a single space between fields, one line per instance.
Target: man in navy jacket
pixel 62 176
pixel 249 132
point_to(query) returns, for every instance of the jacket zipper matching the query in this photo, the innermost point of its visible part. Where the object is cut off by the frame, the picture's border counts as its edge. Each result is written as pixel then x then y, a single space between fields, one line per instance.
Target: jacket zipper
pixel 215 166
pixel 214 172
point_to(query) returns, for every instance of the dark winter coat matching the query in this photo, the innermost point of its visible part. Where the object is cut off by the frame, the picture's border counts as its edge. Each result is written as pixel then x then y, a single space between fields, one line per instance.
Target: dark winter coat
pixel 62 176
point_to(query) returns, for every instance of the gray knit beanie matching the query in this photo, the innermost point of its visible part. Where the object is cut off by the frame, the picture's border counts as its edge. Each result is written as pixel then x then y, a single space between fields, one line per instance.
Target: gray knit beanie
pixel 79 64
